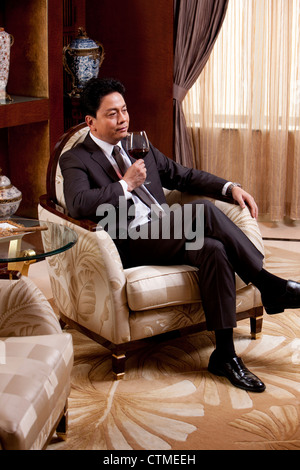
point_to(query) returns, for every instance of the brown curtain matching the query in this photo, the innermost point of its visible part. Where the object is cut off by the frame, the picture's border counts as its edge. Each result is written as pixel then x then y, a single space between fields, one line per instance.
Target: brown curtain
pixel 196 27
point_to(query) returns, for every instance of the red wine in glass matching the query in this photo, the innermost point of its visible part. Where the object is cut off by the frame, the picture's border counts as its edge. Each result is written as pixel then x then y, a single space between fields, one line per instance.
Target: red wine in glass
pixel 138 146
pixel 138 153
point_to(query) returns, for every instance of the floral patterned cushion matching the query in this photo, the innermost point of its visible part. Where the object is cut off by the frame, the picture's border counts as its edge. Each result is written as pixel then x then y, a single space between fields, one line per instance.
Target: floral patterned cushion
pixel 91 287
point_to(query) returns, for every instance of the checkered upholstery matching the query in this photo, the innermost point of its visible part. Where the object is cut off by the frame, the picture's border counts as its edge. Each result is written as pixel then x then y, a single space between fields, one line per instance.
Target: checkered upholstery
pixel 34 369
pixel 33 388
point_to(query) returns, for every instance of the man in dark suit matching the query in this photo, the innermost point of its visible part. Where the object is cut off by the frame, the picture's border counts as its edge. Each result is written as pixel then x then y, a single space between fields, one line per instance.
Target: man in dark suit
pixel 100 179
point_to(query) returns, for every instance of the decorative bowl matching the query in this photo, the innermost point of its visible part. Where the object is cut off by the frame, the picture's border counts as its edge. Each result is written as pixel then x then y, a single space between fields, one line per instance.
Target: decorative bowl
pixel 10 197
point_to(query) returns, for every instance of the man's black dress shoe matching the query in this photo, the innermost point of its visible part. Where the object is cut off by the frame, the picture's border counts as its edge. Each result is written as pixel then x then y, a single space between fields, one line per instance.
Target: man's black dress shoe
pixel 290 299
pixel 236 372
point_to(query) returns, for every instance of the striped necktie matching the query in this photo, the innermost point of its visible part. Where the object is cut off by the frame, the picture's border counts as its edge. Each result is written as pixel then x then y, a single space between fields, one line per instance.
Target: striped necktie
pixel 119 159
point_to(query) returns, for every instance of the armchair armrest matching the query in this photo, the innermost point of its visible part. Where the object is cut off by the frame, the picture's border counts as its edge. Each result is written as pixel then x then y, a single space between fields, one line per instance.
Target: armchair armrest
pixel 88 282
pixel 59 211
pixel 24 310
pixel 241 217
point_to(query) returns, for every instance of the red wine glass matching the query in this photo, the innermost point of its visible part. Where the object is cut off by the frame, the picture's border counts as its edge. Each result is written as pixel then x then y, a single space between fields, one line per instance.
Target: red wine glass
pixel 138 146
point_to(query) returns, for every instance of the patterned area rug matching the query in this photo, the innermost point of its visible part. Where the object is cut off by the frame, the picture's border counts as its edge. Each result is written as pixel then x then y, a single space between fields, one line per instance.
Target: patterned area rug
pixel 169 401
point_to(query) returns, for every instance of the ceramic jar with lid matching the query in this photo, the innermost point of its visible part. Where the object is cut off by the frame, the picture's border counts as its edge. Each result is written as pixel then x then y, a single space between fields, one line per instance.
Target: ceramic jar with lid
pixel 82 59
pixel 6 41
pixel 10 197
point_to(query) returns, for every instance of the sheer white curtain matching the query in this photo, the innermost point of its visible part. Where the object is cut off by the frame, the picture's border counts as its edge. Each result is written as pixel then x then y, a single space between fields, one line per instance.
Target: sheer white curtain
pixel 243 113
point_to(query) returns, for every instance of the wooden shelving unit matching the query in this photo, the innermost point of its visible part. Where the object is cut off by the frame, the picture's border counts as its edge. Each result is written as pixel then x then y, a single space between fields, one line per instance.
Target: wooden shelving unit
pixel 33 121
pixel 16 113
pixel 32 124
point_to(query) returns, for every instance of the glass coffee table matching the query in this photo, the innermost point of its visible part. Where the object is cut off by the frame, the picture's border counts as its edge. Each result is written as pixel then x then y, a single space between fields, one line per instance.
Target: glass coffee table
pixel 24 241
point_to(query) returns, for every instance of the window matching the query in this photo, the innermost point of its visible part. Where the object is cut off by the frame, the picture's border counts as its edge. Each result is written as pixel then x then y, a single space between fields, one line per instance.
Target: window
pixel 252 79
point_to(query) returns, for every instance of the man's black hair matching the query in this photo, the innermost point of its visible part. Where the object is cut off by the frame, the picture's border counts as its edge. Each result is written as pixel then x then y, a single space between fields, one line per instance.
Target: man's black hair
pixel 94 92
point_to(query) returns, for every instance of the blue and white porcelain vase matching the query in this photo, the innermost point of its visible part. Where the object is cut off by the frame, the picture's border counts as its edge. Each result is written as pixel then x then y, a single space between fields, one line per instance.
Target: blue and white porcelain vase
pixel 82 59
pixel 6 41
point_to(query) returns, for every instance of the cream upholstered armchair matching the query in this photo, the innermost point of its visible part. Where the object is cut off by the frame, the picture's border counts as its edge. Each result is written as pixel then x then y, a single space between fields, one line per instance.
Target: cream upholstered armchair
pixel 121 307
pixel 36 360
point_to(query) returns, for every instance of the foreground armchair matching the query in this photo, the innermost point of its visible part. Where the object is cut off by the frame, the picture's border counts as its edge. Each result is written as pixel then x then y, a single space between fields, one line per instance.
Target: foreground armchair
pixel 36 360
pixel 120 308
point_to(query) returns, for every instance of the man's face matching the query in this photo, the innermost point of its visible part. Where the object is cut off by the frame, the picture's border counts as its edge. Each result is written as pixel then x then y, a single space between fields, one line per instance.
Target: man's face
pixel 112 119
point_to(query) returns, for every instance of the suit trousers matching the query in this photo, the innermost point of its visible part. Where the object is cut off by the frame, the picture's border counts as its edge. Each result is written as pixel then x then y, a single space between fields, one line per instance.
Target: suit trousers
pixel 226 250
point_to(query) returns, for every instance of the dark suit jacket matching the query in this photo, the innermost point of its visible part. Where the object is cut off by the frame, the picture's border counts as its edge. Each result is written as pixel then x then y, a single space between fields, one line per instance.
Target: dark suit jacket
pixel 90 180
